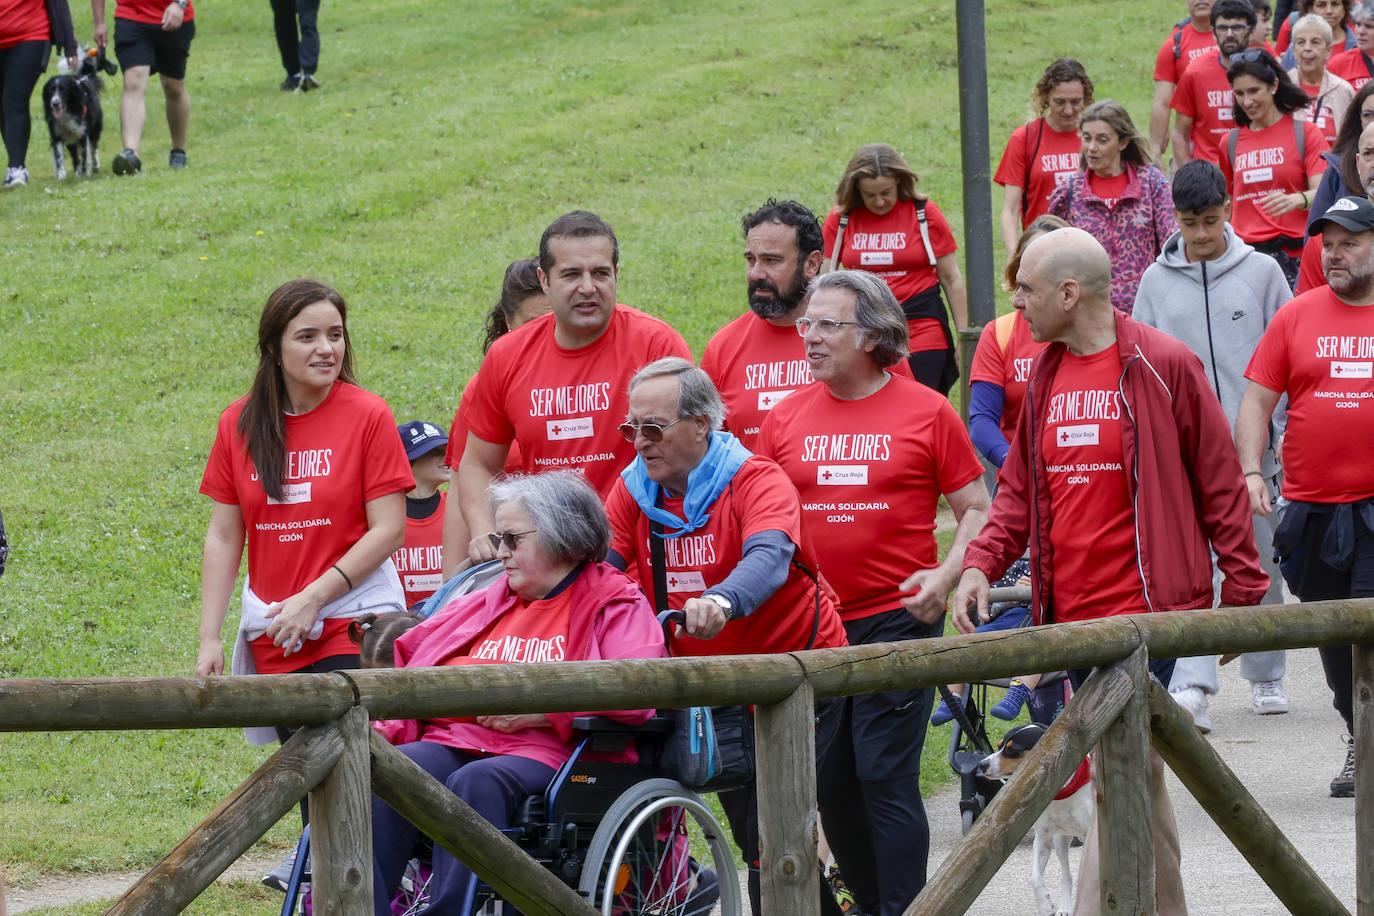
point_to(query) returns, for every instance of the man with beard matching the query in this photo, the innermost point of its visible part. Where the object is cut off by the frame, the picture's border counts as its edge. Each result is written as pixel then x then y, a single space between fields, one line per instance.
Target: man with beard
pixel 756 360
pixel 1319 350
pixel 1203 98
pixel 1310 270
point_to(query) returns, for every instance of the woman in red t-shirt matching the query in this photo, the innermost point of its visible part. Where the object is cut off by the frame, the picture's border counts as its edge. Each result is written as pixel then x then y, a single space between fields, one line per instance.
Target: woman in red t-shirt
pixel 882 225
pixel 26 28
pixel 1270 176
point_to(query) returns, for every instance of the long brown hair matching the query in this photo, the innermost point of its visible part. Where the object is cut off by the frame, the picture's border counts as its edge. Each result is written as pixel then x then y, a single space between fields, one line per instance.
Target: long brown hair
pixel 1115 116
pixel 876 160
pixel 262 424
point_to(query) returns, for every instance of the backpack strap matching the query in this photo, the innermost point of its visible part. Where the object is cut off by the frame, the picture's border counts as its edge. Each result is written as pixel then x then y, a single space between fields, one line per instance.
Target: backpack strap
pixel 1231 139
pixel 834 262
pixel 1002 328
pixel 1030 159
pixel 925 231
pixel 1178 37
pixel 1300 135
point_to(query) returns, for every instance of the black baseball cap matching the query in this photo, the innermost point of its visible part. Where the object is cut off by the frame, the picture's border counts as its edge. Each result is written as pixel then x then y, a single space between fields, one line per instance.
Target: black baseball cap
pixel 1353 213
pixel 420 438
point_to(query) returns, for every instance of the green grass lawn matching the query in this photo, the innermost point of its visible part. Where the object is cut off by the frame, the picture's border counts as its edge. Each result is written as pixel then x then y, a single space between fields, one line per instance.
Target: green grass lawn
pixel 447 135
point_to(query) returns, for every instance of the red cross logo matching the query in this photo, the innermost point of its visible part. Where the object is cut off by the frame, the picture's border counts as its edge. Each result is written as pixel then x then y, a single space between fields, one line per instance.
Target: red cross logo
pixel 1063 438
pixel 1340 370
pixel 767 399
pixel 673 581
pixel 556 430
pixel 826 475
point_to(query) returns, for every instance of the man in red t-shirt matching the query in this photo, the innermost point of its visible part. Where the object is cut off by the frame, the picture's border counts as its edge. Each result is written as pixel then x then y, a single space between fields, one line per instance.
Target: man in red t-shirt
pixel 151 36
pixel 707 528
pixel 1187 41
pixel 557 385
pixel 1319 350
pixel 1356 65
pixel 1122 480
pixel 1310 273
pixel 870 455
pixel 756 360
pixel 1203 97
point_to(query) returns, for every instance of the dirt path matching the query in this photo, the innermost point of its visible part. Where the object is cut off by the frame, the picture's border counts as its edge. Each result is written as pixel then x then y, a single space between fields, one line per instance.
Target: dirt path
pixel 71 890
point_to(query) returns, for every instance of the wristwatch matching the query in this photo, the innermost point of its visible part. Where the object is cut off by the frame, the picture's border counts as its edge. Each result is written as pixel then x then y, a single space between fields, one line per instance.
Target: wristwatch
pixel 724 604
pixel 182 3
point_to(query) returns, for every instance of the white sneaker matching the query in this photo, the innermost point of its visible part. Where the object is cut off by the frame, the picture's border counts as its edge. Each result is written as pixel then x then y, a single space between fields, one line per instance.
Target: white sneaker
pixel 1194 702
pixel 1267 698
pixel 16 177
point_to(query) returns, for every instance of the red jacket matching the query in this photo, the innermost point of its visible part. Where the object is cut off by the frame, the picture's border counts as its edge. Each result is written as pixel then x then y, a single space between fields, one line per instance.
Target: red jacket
pixel 1185 483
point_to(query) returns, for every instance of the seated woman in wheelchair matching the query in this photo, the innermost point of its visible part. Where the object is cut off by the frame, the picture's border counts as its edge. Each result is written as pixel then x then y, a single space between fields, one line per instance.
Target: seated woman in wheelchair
pixel 557 601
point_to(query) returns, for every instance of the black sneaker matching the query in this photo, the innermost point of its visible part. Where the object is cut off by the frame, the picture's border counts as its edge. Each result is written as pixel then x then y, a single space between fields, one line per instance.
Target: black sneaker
pixel 177 159
pixel 127 163
pixel 1343 786
pixel 291 83
pixel 309 82
pixel 279 878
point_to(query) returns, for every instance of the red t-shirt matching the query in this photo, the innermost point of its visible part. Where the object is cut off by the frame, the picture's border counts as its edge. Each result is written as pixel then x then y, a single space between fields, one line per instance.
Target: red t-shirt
pixel 755 365
pixel 23 20
pixel 1008 366
pixel 1269 160
pixel 1192 45
pixel 1323 118
pixel 340 456
pixel 1110 188
pixel 1053 157
pixel 890 245
pixel 869 484
pixel 1092 527
pixel 760 498
pixel 1352 66
pixel 1320 351
pixel 1204 94
pixel 564 406
pixel 1310 274
pixel 458 437
pixel 149 11
pixel 420 560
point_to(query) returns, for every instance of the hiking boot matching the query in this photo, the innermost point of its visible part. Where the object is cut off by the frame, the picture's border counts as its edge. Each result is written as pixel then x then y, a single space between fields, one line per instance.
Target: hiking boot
pixel 309 82
pixel 127 163
pixel 291 83
pixel 844 897
pixel 1018 695
pixel 1194 702
pixel 1267 698
pixel 1343 786
pixel 279 878
pixel 177 159
pixel 16 176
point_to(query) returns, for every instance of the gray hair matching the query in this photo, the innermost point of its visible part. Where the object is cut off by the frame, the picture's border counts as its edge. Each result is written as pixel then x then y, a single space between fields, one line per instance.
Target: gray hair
pixel 696 393
pixel 1362 10
pixel 876 311
pixel 1321 25
pixel 569 520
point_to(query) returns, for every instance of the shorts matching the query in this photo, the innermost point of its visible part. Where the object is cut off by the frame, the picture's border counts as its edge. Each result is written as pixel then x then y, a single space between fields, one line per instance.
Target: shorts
pixel 144 44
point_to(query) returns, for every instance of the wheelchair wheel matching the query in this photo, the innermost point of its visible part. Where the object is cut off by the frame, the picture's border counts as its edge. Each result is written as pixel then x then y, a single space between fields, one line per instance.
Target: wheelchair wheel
pixel 639 862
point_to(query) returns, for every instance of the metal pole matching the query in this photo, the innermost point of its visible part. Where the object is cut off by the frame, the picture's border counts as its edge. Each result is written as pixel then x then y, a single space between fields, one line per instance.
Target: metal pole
pixel 973 130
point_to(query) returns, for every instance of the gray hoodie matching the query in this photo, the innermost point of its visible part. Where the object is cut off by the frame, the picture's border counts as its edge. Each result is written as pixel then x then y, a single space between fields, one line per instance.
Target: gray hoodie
pixel 1218 308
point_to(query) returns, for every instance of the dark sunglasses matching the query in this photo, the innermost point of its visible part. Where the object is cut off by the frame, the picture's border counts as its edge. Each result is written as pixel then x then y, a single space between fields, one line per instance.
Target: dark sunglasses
pixel 510 538
pixel 651 431
pixel 1253 56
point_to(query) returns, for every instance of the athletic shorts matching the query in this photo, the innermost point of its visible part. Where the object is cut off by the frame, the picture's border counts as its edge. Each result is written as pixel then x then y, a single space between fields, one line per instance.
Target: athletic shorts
pixel 144 44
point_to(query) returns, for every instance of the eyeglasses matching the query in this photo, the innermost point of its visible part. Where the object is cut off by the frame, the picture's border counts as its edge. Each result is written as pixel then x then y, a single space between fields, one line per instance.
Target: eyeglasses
pixel 825 327
pixel 1231 29
pixel 510 538
pixel 651 431
pixel 1252 56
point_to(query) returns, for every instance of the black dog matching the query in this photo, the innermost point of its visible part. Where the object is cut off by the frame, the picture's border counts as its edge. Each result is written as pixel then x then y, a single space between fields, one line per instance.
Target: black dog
pixel 71 106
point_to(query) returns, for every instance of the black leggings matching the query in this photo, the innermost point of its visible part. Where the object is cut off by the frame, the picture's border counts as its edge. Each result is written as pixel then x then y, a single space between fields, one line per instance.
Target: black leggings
pixel 20 67
pixel 323 666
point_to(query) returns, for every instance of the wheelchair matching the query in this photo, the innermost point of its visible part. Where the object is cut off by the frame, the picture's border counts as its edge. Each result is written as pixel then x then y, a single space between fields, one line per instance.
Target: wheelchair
pixel 622 834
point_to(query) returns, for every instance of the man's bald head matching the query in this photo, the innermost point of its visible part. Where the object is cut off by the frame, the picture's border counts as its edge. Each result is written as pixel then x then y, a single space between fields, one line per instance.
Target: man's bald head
pixel 1070 254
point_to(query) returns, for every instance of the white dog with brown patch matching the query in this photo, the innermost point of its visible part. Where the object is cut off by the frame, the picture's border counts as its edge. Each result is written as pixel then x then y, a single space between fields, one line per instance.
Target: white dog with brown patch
pixel 1069 815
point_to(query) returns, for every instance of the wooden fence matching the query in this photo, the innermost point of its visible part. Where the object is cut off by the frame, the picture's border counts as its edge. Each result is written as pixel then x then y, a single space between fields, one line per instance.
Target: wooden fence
pixel 340 762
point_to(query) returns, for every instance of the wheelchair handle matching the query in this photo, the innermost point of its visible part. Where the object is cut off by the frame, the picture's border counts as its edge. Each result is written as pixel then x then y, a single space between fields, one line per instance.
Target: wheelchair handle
pixel 668 617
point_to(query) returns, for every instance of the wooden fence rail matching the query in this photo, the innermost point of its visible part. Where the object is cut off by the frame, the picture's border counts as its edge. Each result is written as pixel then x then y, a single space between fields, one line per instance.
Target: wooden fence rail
pixel 333 757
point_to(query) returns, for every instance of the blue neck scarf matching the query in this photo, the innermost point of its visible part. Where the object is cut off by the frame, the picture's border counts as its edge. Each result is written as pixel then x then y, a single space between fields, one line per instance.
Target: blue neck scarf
pixel 705 483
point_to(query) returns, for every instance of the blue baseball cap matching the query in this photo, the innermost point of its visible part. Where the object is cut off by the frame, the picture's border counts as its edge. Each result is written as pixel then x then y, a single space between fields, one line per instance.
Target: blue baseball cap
pixel 420 438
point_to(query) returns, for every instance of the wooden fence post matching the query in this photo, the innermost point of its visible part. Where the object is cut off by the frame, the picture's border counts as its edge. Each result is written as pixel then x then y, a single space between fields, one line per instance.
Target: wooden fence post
pixel 1125 828
pixel 1364 778
pixel 235 825
pixel 1225 799
pixel 341 827
pixel 786 766
pixel 1050 764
